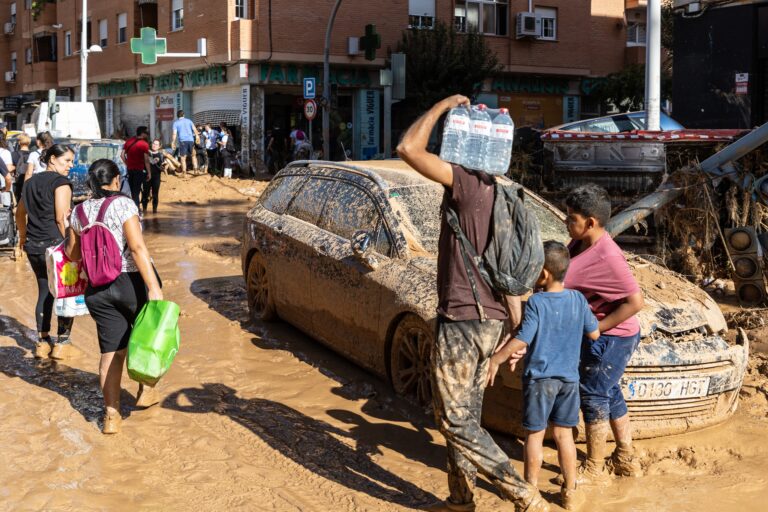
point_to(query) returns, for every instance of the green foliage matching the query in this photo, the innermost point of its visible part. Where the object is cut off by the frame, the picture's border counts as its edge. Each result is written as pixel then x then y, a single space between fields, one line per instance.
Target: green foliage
pixel 626 88
pixel 441 62
pixel 38 6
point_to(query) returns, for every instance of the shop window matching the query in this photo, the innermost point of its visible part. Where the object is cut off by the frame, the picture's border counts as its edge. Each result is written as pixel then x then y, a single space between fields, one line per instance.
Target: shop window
pixel 636 34
pixel 548 17
pixel 28 55
pixel 67 43
pixel 421 14
pixel 177 15
pixel 122 27
pixel 44 48
pixel 241 9
pixel 483 16
pixel 103 33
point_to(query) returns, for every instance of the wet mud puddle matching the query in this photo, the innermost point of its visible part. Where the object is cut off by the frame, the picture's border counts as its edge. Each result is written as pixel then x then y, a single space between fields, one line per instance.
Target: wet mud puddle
pixel 260 417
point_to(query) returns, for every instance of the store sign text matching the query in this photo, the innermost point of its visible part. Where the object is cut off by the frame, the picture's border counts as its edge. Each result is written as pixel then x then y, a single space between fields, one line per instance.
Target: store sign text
pixel 290 74
pixel 170 82
pixel 531 85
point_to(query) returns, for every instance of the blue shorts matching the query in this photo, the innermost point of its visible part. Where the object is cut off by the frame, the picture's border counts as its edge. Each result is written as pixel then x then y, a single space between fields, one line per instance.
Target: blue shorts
pixel 602 365
pixel 186 147
pixel 550 401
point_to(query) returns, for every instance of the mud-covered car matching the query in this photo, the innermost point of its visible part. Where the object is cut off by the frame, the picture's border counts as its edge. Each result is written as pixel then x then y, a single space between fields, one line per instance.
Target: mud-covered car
pixel 347 253
pixel 88 151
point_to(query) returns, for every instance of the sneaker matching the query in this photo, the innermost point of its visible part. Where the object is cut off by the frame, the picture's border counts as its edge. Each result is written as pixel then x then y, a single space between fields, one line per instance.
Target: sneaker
pixel 147 396
pixel 624 463
pixel 449 506
pixel 535 504
pixel 591 472
pixel 43 348
pixel 63 350
pixel 112 421
pixel 572 499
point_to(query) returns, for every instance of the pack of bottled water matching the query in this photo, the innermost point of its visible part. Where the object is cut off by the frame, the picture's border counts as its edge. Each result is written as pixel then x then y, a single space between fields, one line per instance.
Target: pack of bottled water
pixel 478 138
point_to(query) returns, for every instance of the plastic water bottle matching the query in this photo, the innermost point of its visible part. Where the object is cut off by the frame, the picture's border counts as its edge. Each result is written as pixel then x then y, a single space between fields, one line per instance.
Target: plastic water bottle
pixel 455 135
pixel 500 145
pixel 479 134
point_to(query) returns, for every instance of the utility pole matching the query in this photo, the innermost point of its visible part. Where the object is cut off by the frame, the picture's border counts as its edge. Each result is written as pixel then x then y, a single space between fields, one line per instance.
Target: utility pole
pixel 327 84
pixel 653 67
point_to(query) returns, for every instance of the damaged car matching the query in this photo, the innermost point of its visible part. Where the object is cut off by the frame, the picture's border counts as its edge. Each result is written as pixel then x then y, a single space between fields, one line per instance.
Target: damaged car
pixel 346 252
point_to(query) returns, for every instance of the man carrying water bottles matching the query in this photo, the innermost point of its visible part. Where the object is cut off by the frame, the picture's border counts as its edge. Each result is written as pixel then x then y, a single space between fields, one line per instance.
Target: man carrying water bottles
pixel 464 344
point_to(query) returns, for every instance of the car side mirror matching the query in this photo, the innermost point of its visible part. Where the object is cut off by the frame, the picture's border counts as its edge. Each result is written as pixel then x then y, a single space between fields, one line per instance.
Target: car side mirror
pixel 362 248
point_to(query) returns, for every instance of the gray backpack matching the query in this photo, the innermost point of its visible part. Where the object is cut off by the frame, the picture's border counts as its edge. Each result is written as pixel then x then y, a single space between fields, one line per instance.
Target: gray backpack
pixel 515 254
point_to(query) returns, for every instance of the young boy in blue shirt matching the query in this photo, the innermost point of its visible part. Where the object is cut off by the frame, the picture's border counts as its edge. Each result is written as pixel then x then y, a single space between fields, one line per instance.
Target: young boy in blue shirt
pixel 554 322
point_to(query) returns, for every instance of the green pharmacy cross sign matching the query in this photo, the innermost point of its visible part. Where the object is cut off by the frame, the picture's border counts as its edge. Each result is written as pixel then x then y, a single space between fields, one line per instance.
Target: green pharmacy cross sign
pixel 370 42
pixel 150 47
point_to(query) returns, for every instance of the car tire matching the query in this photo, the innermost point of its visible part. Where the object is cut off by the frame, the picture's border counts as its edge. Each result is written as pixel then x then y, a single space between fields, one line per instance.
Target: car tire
pixel 410 355
pixel 261 301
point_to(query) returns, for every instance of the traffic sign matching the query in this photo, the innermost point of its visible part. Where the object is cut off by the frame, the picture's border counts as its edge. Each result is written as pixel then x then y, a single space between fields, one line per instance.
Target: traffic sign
pixel 309 88
pixel 310 109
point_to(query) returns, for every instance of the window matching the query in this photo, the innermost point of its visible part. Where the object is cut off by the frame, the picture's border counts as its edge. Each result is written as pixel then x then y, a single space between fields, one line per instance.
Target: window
pixel 44 48
pixel 122 27
pixel 28 55
pixel 636 34
pixel 548 17
pixel 87 33
pixel 309 202
pixel 103 33
pixel 241 9
pixel 280 192
pixel 13 62
pixel 67 43
pixel 13 13
pixel 421 14
pixel 177 15
pixel 483 16
pixel 348 211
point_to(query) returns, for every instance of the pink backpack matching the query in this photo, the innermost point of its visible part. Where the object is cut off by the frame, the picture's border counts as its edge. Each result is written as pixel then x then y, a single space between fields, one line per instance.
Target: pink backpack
pixel 102 258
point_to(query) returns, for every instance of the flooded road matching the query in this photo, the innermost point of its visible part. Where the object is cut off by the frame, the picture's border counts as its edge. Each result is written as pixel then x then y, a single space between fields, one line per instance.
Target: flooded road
pixel 260 417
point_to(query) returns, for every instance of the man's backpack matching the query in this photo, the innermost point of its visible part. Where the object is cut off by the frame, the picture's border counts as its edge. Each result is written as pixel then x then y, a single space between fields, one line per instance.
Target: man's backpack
pixel 514 257
pixel 102 257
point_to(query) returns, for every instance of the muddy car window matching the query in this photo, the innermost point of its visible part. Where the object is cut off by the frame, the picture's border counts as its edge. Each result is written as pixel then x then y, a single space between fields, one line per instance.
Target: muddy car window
pixel 279 193
pixel 310 200
pixel 89 154
pixel 418 210
pixel 348 210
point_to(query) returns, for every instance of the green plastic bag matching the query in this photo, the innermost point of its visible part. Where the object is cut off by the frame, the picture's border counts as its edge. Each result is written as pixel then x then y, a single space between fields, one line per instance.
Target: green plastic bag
pixel 154 341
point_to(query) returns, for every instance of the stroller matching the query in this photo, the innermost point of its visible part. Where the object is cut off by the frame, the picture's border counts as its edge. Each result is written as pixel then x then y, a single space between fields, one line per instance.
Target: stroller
pixel 9 235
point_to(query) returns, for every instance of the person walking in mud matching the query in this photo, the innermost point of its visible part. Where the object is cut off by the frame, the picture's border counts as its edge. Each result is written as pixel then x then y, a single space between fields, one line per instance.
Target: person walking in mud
pixel 135 154
pixel 42 220
pixel 114 306
pixel 152 186
pixel 464 343
pixel 186 136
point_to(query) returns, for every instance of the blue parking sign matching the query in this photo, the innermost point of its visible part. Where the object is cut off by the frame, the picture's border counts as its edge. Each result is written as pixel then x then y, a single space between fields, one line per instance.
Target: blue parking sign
pixel 309 88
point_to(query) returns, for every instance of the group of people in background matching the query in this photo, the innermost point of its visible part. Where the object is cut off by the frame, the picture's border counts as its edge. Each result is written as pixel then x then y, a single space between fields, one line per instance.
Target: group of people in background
pixel 280 149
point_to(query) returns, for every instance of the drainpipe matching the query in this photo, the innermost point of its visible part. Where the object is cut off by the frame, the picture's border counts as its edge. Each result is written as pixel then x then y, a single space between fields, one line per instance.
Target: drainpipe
pixel 327 84
pixel 653 66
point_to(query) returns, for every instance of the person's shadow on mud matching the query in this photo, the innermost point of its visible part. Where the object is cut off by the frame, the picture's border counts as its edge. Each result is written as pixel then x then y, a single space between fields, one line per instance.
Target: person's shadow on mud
pixel 80 387
pixel 305 440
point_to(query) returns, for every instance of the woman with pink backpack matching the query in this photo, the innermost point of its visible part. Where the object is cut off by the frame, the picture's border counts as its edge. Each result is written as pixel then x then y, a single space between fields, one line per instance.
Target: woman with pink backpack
pixel 108 239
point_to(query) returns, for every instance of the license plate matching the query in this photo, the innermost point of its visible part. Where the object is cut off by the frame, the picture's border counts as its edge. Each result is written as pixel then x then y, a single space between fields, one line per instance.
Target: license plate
pixel 665 389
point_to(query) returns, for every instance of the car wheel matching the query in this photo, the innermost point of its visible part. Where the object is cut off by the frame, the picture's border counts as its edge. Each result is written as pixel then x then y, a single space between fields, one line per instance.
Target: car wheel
pixel 261 302
pixel 410 359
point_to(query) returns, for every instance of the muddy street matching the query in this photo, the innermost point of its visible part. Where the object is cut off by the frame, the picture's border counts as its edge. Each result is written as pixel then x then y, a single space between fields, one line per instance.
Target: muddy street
pixel 261 417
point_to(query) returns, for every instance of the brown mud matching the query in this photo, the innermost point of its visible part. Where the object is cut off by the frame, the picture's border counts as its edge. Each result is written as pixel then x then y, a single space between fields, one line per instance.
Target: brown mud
pixel 260 417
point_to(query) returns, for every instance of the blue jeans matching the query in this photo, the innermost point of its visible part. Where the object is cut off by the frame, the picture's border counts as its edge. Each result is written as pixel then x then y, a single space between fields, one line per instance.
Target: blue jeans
pixel 602 365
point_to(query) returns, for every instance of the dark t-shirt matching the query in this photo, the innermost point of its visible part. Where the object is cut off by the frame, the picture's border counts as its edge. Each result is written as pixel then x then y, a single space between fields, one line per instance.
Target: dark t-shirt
pixel 471 197
pixel 39 201
pixel 135 149
pixel 156 161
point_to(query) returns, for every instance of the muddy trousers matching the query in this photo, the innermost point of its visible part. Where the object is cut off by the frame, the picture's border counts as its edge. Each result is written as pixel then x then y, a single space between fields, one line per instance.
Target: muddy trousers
pixel 44 307
pixel 460 360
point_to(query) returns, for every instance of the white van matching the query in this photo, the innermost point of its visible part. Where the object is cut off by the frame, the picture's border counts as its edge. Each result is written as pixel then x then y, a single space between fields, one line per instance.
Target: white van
pixel 74 120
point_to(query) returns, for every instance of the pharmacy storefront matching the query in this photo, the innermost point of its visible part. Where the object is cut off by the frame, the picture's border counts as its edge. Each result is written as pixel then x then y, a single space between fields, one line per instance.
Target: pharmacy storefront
pixel 356 97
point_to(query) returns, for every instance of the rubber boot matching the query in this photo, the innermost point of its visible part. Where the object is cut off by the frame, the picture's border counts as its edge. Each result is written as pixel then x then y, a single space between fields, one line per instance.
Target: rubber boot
pixel 593 470
pixel 623 461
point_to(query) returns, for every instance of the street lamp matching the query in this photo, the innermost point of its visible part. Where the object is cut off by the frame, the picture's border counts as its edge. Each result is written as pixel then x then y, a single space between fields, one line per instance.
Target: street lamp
pixel 84 54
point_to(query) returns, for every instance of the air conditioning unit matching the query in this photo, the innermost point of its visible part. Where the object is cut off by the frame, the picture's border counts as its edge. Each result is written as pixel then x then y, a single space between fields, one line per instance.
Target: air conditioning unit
pixel 528 25
pixel 10 76
pixel 9 27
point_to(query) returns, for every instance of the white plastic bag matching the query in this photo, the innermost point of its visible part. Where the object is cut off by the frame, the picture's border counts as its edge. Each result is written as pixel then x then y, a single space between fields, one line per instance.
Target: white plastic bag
pixel 71 306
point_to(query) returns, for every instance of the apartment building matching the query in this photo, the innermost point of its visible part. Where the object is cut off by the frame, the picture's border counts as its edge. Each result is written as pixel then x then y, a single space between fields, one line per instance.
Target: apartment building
pixel 258 52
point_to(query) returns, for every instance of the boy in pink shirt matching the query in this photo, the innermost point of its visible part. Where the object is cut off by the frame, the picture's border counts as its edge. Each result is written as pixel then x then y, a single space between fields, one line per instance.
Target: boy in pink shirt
pixel 599 270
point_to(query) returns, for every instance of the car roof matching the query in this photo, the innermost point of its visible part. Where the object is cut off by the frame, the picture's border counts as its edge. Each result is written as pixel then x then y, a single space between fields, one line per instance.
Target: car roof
pixel 387 174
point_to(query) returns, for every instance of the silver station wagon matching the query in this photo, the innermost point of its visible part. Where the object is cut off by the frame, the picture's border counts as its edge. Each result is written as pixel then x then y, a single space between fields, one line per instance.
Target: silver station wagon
pixel 347 253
